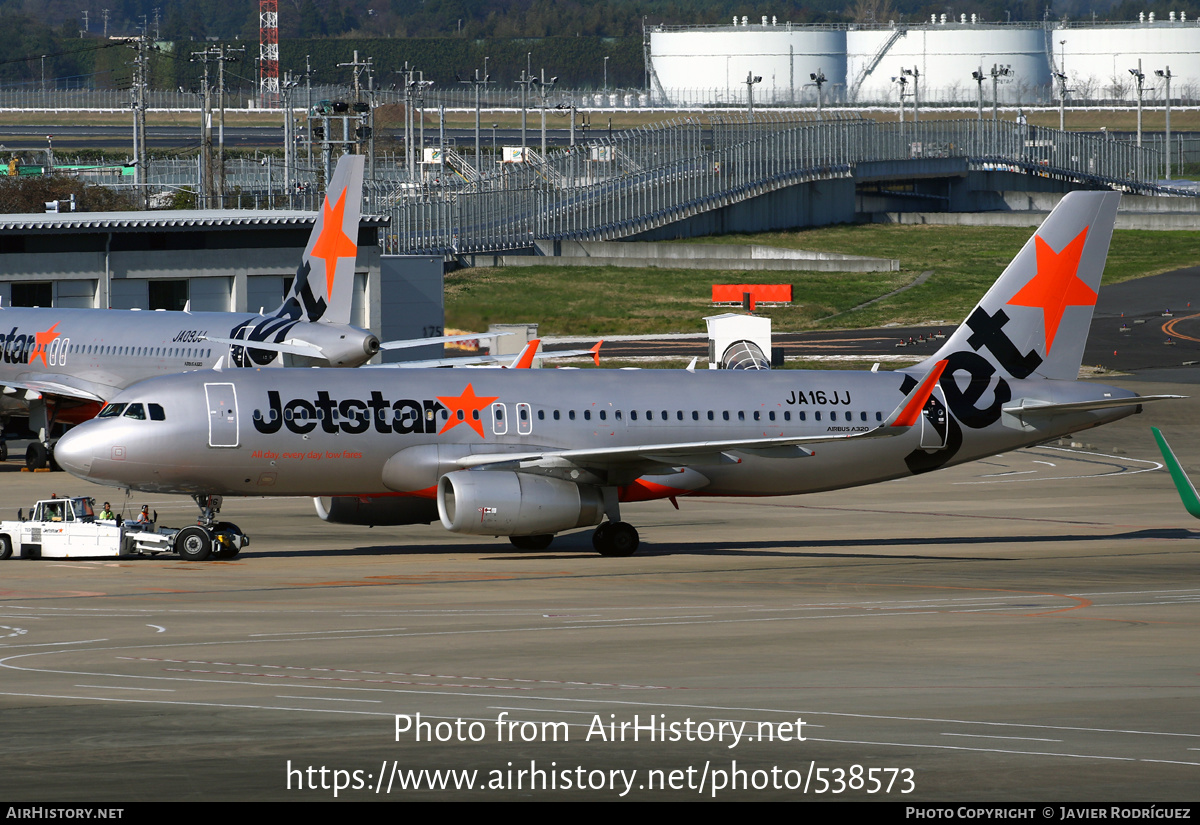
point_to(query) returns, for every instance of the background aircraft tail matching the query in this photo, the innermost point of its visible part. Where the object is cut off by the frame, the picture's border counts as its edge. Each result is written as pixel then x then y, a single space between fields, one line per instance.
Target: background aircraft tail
pixel 324 286
pixel 1034 320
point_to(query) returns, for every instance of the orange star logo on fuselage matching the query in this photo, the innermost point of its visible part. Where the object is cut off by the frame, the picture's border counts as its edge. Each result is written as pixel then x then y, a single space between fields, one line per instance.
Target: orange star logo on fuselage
pixel 464 409
pixel 1056 285
pixel 41 341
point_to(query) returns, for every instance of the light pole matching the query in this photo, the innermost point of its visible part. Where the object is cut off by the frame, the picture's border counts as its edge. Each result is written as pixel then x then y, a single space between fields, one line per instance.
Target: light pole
pixel 525 82
pixel 1061 77
pixel 1061 74
pixel 494 125
pixel 902 82
pixel 477 82
pixel 979 76
pixel 544 86
pixel 751 79
pixel 818 79
pixel 606 73
pixel 915 74
pixel 1140 79
pixel 998 72
pixel 1166 76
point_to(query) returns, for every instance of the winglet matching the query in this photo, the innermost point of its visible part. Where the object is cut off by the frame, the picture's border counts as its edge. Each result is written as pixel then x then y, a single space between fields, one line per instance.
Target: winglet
pixel 1183 485
pixel 596 352
pixel 525 359
pixel 909 411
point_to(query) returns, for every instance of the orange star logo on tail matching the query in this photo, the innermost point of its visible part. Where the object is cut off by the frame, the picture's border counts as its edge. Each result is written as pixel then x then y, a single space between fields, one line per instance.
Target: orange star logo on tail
pixel 333 243
pixel 463 409
pixel 41 341
pixel 1056 285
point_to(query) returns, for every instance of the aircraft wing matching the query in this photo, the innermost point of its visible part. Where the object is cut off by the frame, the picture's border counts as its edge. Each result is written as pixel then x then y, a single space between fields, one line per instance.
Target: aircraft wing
pixel 677 454
pixel 63 386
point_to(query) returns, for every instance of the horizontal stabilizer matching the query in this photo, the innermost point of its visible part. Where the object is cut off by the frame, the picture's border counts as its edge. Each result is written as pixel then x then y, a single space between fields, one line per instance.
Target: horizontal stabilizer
pixel 1029 406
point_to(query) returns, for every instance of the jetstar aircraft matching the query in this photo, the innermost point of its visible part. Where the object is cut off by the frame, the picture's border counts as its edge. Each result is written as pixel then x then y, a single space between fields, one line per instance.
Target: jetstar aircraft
pixel 531 453
pixel 61 365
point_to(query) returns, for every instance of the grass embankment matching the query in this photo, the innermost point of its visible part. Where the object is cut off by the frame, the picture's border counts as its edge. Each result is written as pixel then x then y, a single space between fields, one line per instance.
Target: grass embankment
pixel 610 300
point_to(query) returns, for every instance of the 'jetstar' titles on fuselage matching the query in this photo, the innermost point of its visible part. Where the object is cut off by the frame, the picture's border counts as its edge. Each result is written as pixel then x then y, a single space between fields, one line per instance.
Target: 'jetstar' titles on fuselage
pixel 24 348
pixel 350 415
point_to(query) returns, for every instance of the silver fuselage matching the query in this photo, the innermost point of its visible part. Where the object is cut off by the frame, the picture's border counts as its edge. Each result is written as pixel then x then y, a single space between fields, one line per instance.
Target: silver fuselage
pixel 333 432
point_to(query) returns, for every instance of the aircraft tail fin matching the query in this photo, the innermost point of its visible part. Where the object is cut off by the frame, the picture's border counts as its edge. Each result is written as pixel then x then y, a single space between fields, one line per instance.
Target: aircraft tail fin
pixel 1183 484
pixel 324 286
pixel 1034 320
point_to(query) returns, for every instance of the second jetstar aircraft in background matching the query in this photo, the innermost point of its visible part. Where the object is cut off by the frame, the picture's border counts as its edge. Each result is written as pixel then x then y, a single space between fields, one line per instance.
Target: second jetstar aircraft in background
pixel 60 365
pixel 531 453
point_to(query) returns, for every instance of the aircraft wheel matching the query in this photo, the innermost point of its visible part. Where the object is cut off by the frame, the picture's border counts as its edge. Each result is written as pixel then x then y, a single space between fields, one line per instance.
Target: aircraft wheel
pixel 615 539
pixel 193 544
pixel 5 547
pixel 532 542
pixel 3 451
pixel 37 456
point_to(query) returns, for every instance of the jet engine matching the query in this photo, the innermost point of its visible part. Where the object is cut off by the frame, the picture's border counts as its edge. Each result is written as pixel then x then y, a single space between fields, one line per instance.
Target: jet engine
pixel 499 503
pixel 385 511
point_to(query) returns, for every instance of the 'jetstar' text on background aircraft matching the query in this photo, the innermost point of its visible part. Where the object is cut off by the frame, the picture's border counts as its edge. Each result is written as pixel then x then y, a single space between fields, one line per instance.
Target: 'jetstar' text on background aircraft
pixel 62 364
pixel 528 454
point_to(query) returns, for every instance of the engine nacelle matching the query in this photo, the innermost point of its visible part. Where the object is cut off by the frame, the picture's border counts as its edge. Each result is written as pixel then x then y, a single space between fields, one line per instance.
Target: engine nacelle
pixel 498 503
pixel 384 511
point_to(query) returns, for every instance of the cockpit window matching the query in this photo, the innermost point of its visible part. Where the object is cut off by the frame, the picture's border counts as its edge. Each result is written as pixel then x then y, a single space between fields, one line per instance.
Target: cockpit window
pixel 156 412
pixel 137 411
pixel 111 411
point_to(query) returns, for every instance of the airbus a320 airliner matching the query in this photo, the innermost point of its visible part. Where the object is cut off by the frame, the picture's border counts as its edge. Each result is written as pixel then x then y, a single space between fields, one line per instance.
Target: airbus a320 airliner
pixel 528 454
pixel 61 365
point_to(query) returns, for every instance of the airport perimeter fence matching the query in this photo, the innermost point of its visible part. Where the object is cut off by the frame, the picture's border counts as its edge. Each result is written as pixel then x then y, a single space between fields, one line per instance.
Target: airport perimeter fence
pixel 454 95
pixel 648 177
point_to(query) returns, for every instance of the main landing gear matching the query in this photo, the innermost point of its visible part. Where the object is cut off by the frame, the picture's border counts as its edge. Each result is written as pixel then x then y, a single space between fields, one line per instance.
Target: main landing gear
pixel 39 456
pixel 611 538
pixel 615 538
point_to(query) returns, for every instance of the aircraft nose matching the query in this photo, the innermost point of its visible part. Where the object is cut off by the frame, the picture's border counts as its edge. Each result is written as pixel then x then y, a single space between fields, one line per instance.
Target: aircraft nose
pixel 75 451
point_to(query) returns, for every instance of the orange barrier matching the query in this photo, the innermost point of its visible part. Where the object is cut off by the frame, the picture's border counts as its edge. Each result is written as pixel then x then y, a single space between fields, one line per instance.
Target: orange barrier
pixel 759 293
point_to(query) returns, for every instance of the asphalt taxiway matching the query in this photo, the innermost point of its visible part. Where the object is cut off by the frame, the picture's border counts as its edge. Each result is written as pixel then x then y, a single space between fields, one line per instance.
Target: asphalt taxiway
pixel 1022 628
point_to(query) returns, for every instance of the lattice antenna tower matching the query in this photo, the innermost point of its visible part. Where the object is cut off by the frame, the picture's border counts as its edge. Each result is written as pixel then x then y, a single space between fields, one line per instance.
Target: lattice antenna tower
pixel 268 53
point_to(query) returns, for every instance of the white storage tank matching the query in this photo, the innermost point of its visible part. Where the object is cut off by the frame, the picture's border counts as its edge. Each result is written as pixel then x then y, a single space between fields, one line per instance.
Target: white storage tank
pixel 1097 59
pixel 946 55
pixel 710 65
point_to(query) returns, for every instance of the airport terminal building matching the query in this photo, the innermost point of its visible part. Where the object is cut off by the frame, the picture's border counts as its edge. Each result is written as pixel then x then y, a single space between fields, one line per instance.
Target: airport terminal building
pixel 215 261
